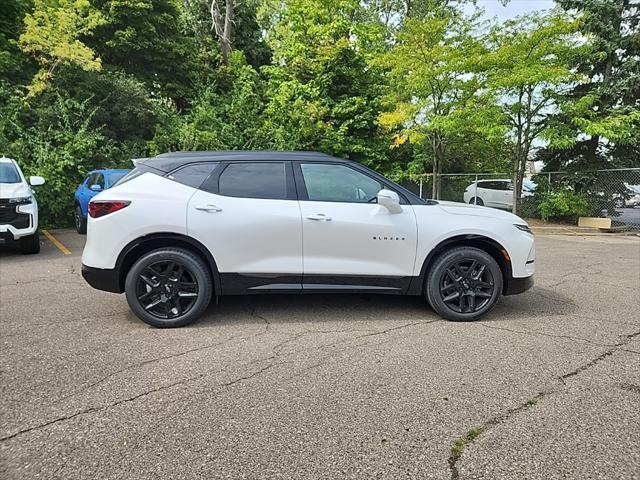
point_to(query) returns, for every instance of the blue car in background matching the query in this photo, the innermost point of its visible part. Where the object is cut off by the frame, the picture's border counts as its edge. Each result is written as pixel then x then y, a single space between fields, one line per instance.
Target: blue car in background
pixel 95 182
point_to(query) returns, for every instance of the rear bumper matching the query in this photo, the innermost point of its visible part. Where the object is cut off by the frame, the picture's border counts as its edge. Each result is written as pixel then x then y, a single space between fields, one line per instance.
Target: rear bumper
pixel 519 285
pixel 106 279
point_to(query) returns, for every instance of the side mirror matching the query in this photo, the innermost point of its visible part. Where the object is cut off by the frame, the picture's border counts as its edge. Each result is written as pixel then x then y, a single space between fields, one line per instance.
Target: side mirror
pixel 95 187
pixel 389 200
pixel 36 181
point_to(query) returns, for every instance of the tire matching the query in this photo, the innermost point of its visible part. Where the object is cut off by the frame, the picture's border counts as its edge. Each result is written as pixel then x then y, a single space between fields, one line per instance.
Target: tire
pixel 448 277
pixel 80 221
pixel 175 281
pixel 30 244
pixel 476 201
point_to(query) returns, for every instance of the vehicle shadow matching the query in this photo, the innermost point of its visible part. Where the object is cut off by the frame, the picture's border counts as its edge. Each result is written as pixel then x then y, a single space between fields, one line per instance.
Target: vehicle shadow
pixel 316 309
pixel 331 308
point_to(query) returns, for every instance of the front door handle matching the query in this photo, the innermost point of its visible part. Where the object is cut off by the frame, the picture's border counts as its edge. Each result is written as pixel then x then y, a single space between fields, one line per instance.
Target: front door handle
pixel 208 208
pixel 319 217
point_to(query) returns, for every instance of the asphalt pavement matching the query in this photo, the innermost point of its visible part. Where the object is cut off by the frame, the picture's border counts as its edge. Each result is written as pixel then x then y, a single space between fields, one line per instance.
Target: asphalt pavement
pixel 547 386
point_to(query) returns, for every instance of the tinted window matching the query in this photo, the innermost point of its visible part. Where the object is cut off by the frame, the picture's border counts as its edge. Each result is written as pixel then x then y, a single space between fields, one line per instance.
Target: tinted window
pixel 493 185
pixel 136 172
pixel 115 176
pixel 338 183
pixel 193 175
pixel 254 180
pixel 91 179
pixel 99 180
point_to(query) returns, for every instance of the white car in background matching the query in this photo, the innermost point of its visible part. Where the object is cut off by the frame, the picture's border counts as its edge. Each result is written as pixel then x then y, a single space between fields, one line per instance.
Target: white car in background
pixel 18 207
pixel 496 193
pixel 633 199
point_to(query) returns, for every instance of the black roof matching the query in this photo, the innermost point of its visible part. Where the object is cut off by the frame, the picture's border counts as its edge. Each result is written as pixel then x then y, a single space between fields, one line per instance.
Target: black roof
pixel 170 161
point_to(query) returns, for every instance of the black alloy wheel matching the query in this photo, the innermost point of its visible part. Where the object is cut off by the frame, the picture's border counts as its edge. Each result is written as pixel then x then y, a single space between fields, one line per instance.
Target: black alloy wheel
pixel 169 287
pixel 466 286
pixel 463 283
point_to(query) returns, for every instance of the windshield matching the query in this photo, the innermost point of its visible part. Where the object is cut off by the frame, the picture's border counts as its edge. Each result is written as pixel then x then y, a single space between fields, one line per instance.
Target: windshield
pixel 9 173
pixel 115 176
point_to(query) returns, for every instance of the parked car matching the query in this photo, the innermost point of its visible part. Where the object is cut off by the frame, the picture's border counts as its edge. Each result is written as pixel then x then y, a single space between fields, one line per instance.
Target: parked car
pixel 95 182
pixel 631 200
pixel 18 207
pixel 495 193
pixel 182 227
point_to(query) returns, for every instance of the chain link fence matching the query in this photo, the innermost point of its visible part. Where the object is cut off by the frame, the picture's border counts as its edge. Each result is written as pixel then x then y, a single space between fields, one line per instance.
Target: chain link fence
pixel 554 196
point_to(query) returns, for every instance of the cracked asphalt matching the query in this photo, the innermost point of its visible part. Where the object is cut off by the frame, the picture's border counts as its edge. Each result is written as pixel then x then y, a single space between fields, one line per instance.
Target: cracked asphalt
pixel 310 387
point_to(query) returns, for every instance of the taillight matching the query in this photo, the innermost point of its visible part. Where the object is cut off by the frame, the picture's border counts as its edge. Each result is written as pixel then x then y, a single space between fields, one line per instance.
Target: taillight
pixel 101 208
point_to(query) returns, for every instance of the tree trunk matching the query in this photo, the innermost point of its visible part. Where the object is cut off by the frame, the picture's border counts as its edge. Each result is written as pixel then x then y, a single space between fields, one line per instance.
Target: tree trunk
pixel 223 26
pixel 514 179
pixel 434 180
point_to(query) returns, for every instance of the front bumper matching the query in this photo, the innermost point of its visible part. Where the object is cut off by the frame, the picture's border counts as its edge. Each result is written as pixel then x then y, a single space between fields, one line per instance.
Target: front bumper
pixel 107 279
pixel 519 285
pixel 10 232
pixel 17 221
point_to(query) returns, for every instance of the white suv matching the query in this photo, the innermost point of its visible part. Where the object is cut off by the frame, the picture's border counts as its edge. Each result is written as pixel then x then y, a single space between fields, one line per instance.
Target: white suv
pixel 182 227
pixel 18 207
pixel 495 193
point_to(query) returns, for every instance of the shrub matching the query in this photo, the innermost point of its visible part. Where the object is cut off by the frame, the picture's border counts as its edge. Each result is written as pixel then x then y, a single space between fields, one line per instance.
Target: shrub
pixel 564 204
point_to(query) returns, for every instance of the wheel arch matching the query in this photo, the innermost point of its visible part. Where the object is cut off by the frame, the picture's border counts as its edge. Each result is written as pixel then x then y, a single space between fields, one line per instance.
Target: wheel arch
pixel 147 243
pixel 489 245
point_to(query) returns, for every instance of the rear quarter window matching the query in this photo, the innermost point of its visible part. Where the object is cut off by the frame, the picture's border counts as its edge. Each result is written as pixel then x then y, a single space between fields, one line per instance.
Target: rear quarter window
pixel 193 175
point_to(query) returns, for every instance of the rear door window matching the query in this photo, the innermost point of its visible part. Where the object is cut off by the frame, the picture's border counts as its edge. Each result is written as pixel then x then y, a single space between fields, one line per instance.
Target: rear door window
pixel 266 180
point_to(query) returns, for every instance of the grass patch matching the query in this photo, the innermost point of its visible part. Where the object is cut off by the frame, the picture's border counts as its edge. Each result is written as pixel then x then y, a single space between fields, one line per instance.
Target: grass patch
pixel 532 402
pixel 458 446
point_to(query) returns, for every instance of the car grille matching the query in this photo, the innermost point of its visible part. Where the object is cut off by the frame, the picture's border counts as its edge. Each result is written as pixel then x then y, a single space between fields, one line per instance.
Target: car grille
pixel 9 215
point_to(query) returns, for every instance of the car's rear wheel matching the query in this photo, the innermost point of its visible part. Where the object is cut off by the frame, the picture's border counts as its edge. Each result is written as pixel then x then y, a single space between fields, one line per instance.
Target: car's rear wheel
pixel 30 244
pixel 80 221
pixel 168 287
pixel 463 284
pixel 476 201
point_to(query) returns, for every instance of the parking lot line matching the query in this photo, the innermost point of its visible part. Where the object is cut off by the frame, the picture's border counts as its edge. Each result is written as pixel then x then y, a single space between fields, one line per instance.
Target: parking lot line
pixel 56 242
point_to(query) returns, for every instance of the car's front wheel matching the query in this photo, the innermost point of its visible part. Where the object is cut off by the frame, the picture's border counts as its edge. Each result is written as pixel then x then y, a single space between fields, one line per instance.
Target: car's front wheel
pixel 463 284
pixel 168 287
pixel 476 201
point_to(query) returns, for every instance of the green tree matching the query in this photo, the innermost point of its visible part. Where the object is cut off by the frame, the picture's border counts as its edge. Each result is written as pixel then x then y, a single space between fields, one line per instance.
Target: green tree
pixel 219 119
pixel 529 65
pixel 322 94
pixel 598 124
pixel 53 36
pixel 13 62
pixel 436 88
pixel 147 39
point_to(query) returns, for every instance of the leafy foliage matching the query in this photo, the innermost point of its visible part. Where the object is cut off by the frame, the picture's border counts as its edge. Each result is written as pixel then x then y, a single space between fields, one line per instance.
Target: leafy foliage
pixel 564 204
pixel 52 35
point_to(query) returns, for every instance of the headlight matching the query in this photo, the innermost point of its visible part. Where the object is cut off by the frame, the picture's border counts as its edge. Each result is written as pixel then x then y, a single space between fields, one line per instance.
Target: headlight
pixel 524 228
pixel 21 200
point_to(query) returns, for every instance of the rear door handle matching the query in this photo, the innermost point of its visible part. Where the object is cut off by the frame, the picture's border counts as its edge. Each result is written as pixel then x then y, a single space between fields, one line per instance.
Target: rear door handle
pixel 319 217
pixel 208 208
